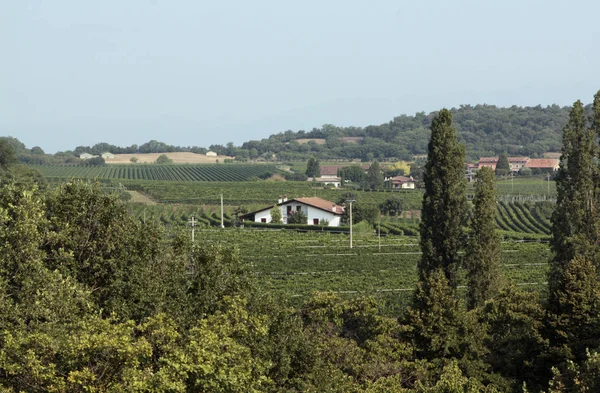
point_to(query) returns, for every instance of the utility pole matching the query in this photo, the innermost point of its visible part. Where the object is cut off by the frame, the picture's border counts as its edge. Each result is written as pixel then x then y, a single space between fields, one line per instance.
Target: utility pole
pixel 222 222
pixel 512 182
pixel 350 201
pixel 548 185
pixel 379 232
pixel 192 222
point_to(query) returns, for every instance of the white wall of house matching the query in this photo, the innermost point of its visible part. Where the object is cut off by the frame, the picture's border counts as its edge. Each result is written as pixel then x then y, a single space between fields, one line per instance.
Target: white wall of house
pixel 312 213
pixel 405 186
pixel 263 216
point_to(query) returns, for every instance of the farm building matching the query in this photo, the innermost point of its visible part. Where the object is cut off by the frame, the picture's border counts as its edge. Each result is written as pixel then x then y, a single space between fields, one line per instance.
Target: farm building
pixel 327 181
pixel 315 209
pixel 86 156
pixel 544 164
pixel 331 171
pixel 211 154
pixel 489 162
pixel 107 155
pixel 516 163
pixel 401 182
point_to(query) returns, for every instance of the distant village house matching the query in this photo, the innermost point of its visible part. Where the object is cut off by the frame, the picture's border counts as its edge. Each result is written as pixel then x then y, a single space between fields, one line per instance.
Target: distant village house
pixel 86 156
pixel 211 154
pixel 401 182
pixel 108 155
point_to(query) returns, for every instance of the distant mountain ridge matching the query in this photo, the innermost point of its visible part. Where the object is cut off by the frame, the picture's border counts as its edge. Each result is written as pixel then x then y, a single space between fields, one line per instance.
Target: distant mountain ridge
pixel 485 130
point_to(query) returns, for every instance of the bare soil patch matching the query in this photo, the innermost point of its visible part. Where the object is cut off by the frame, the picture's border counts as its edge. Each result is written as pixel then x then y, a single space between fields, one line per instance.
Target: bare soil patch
pixel 140 198
pixel 178 158
pixel 318 141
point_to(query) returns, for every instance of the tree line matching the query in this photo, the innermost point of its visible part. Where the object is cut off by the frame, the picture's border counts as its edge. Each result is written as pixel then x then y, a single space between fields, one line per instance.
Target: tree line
pixel 484 130
pixel 92 299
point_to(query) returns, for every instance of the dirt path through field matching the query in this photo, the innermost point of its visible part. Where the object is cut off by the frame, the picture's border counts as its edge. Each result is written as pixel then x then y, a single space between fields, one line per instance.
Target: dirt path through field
pixel 140 198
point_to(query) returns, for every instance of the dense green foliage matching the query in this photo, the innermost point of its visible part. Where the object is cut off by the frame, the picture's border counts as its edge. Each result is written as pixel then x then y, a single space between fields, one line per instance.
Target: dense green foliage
pixel 95 299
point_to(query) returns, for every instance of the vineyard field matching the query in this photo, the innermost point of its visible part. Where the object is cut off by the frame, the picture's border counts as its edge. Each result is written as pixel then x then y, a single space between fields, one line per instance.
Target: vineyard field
pixel 517 220
pixel 257 194
pixel 528 186
pixel 300 263
pixel 176 173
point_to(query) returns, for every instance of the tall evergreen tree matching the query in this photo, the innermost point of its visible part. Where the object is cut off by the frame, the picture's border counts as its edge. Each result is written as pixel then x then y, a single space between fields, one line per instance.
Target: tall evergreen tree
pixel 374 176
pixel 442 328
pixel 484 247
pixel 444 200
pixel 313 168
pixel 503 166
pixel 574 221
pixel 574 291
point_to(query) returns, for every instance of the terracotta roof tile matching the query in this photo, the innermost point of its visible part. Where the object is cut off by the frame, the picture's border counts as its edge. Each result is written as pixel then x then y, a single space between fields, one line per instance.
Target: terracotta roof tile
pixel 320 203
pixel 542 163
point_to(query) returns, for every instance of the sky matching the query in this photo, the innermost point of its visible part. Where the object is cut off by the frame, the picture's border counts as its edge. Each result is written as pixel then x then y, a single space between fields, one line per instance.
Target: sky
pixel 196 73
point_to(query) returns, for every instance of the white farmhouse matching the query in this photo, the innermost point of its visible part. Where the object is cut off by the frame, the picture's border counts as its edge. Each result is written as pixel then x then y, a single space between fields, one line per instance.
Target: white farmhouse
pixel 211 154
pixel 315 209
pixel 107 155
pixel 402 182
pixel 86 156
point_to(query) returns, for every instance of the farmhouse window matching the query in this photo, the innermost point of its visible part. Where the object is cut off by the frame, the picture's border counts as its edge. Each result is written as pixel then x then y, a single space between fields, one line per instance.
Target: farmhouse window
pixel 315 221
pixel 263 220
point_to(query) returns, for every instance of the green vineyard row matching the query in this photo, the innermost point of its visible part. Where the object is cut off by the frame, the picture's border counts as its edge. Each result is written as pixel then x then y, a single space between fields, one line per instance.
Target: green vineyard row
pixel 180 173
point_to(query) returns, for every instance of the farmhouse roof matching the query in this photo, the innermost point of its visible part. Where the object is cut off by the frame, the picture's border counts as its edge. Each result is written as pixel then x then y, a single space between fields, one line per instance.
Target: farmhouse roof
pixel 319 203
pixel 542 163
pixel 402 179
pixel 488 160
pixel 518 159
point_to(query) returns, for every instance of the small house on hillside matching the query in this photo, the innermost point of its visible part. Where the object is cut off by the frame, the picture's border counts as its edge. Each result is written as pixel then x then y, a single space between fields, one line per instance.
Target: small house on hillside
pixel 108 155
pixel 211 154
pixel 86 156
pixel 316 209
pixel 326 181
pixel 401 182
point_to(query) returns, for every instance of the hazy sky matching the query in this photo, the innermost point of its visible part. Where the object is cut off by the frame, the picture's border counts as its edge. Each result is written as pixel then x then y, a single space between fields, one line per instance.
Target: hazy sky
pixel 193 72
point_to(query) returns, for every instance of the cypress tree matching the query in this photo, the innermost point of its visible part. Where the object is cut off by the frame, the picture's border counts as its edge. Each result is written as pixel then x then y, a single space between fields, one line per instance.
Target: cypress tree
pixel 444 201
pixel 503 166
pixel 574 221
pixel 574 291
pixel 374 176
pixel 484 247
pixel 442 327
